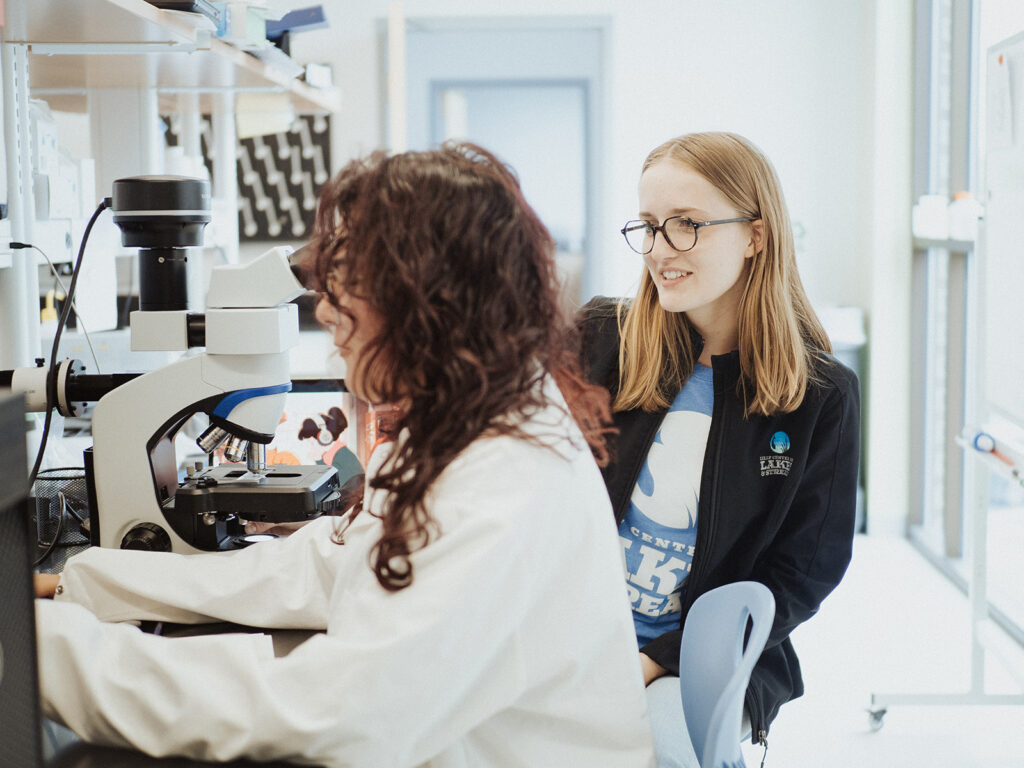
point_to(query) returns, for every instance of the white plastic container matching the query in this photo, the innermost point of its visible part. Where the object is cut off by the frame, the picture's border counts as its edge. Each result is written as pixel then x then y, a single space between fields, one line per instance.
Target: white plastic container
pixel 964 213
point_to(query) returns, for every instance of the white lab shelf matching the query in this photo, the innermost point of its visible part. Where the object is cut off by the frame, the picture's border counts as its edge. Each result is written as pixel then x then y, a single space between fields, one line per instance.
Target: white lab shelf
pixel 83 45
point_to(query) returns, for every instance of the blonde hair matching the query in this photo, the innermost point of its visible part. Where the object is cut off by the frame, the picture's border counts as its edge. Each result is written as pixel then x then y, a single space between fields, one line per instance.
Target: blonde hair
pixel 779 334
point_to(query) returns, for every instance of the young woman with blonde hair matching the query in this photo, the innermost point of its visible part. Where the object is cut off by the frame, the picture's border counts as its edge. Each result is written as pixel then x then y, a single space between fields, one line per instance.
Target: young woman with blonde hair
pixel 738 432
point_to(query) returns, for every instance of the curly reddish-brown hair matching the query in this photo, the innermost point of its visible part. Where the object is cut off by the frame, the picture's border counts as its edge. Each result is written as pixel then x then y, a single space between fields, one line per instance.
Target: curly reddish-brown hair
pixel 445 250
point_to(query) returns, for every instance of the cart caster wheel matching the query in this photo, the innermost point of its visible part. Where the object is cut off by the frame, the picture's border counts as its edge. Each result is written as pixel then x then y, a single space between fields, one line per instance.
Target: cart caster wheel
pixel 875 718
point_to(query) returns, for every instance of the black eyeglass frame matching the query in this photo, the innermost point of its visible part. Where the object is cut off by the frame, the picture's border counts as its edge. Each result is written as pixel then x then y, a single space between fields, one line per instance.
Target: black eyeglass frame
pixel 656 228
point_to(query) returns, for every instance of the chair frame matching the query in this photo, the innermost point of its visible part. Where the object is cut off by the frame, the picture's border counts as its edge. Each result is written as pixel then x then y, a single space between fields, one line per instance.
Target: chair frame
pixel 715 666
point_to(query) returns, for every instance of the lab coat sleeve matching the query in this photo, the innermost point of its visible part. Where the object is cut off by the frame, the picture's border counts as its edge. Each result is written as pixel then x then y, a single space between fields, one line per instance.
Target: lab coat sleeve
pixel 283 583
pixel 400 676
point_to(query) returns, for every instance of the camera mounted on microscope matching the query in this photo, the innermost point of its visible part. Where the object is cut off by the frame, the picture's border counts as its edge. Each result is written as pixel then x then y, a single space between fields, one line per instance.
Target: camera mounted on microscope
pixel 162 216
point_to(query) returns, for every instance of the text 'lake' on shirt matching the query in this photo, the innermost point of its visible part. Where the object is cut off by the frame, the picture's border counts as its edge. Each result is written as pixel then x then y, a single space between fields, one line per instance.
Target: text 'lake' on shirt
pixel 659 531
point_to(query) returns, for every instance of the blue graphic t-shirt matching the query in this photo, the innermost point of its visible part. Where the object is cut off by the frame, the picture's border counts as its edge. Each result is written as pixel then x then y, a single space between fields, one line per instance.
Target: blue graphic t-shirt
pixel 659 531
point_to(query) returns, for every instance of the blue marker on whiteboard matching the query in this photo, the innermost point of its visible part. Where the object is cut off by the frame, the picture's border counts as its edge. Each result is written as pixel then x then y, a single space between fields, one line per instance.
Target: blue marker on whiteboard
pixel 985 443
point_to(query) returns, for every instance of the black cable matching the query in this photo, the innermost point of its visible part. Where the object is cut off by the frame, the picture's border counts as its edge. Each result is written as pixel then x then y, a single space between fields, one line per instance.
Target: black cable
pixel 56 536
pixel 61 322
pixel 65 507
pixel 126 311
pixel 58 282
pixel 74 512
pixel 65 478
pixel 43 479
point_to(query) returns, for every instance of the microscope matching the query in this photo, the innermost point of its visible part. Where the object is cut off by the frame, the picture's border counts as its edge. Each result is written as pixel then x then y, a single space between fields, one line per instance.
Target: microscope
pixel 239 381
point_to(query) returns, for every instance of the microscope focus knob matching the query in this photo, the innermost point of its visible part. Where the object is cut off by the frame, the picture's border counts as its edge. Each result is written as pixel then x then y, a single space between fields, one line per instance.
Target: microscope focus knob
pixel 147 536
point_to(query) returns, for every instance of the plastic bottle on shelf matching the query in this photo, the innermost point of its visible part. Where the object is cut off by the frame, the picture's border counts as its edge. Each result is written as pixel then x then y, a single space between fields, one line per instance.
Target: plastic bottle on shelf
pixel 964 213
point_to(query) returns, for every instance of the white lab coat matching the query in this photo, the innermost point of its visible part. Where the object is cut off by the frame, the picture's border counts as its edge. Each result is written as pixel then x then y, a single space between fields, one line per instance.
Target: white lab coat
pixel 514 645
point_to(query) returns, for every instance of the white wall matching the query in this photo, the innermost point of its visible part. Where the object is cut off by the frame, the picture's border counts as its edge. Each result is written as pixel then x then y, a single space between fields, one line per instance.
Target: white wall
pixel 885 258
pixel 787 74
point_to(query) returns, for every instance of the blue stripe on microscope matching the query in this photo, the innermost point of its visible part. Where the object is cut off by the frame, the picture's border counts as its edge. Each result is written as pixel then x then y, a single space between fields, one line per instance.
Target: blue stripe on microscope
pixel 227 405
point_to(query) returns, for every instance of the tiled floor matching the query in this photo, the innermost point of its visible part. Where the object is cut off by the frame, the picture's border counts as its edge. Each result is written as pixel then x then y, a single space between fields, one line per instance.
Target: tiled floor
pixel 895 625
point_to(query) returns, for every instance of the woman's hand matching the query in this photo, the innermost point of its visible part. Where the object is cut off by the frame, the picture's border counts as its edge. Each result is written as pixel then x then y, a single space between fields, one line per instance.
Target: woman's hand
pixel 652 669
pixel 46 584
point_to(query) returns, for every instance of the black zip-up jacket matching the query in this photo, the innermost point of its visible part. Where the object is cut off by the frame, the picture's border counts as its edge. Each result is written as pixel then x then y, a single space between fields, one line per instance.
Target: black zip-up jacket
pixel 779 511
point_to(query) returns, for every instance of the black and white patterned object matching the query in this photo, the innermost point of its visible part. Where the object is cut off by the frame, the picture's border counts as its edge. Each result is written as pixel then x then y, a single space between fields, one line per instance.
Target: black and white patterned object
pixel 279 176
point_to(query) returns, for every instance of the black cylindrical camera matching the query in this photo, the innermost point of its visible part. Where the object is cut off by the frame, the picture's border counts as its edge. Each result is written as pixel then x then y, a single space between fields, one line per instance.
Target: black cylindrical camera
pixel 162 215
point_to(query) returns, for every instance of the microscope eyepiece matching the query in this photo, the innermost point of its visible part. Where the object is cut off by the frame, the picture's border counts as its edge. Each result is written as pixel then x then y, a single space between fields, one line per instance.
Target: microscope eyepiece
pixel 301 264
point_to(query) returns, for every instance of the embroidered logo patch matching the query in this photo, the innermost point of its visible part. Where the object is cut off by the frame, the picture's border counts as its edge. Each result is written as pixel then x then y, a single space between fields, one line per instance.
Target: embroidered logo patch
pixel 779 464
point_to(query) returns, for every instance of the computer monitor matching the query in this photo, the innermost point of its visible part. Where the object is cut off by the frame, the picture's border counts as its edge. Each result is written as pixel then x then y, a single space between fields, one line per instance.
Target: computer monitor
pixel 20 718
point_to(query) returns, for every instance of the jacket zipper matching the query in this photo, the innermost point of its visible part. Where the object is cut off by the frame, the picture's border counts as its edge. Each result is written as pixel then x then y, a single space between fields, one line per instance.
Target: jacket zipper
pixel 756 718
pixel 704 521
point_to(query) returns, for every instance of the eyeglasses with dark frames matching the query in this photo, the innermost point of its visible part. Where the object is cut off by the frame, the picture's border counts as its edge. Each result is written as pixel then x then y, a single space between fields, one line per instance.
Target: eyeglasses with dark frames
pixel 679 232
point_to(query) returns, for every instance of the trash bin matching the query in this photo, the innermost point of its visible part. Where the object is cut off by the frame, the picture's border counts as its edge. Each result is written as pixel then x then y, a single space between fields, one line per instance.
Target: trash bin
pixel 61 515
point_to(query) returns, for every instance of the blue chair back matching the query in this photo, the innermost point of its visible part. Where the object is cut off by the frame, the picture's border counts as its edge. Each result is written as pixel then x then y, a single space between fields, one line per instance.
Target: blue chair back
pixel 714 667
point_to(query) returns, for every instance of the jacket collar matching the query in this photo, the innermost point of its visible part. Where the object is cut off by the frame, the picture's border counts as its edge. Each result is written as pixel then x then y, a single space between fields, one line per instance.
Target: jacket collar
pixel 726 366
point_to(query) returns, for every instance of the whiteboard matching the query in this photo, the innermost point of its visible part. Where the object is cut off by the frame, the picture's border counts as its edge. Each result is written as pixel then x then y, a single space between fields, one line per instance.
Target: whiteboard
pixel 1001 251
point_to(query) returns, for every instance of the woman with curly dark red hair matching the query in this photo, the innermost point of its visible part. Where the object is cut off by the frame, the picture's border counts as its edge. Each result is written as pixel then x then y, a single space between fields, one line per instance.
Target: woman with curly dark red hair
pixel 466 605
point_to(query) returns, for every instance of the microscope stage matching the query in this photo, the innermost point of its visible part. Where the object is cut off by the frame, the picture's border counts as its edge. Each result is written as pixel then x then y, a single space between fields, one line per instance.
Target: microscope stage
pixel 286 493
